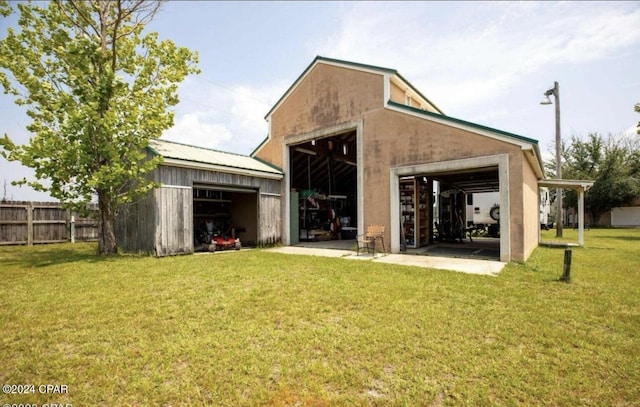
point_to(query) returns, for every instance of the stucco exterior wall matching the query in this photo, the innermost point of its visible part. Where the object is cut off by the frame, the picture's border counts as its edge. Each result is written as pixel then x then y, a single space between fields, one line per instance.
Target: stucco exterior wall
pixel 531 218
pixel 327 96
pixel 395 139
pixel 331 97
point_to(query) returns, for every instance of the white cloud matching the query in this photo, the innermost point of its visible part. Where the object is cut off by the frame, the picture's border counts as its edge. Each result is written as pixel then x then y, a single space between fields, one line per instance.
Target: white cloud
pixel 195 128
pixel 477 50
pixel 248 108
pixel 228 118
pixel 632 131
pixel 462 55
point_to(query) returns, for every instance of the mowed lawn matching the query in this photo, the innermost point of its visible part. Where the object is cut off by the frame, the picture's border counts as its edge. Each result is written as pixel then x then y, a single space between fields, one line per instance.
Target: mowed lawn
pixel 257 328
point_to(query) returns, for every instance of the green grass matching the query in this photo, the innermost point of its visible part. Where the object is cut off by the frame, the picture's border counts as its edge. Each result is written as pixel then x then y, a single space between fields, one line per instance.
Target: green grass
pixel 257 328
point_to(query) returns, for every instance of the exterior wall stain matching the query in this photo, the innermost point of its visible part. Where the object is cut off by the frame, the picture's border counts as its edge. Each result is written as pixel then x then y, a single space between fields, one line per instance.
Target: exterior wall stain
pixel 330 96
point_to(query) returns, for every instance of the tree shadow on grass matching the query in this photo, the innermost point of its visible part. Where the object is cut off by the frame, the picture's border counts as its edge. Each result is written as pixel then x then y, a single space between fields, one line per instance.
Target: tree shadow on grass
pixel 627 238
pixel 51 256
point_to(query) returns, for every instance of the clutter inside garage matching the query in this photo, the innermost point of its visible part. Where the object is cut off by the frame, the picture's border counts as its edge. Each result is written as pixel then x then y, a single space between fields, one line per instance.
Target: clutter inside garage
pixel 224 219
pixel 324 188
pixel 450 207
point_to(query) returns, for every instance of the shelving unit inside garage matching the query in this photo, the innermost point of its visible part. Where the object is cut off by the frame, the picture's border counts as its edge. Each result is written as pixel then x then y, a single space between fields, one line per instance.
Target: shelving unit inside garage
pixel 415 210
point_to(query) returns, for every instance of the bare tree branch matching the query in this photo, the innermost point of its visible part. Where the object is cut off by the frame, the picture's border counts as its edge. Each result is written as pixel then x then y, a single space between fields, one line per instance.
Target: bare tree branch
pixel 87 19
pixel 145 11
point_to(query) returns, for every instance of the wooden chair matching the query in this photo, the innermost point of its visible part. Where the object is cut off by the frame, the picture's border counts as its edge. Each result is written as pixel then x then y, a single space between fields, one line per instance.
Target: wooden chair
pixel 369 239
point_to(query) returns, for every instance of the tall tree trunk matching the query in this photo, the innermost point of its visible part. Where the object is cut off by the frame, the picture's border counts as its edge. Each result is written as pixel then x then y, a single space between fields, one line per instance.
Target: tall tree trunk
pixel 595 217
pixel 107 237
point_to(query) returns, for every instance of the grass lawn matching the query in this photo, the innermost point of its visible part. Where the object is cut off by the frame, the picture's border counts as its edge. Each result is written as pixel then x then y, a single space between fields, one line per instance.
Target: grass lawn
pixel 257 328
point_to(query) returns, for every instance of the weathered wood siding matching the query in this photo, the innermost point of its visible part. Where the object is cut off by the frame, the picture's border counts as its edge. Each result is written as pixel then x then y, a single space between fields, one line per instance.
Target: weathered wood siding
pixel 163 223
pixel 43 222
pixel 173 221
pixel 269 217
pixel 136 225
pixel 270 221
pixel 169 175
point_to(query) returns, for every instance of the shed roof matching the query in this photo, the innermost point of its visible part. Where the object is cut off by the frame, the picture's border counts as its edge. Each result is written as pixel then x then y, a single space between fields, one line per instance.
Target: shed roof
pixel 179 154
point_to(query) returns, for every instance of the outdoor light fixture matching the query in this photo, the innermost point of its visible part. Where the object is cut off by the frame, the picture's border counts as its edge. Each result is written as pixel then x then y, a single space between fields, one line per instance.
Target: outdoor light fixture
pixel 555 91
pixel 546 100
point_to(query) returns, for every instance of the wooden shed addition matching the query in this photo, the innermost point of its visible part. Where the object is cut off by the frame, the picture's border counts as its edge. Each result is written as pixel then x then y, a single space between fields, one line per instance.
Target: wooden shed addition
pixel 232 193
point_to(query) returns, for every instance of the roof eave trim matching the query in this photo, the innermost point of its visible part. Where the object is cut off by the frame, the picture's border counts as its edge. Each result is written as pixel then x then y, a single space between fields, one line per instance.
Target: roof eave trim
pixel 533 157
pixel 176 162
pixel 462 124
pixel 267 163
pixel 255 150
pixel 524 142
pixel 566 183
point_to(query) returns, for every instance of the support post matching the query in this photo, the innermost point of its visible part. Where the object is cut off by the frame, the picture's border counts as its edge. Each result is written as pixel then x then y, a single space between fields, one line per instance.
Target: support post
pixel 73 229
pixel 30 224
pixel 581 216
pixel 559 191
pixel 566 269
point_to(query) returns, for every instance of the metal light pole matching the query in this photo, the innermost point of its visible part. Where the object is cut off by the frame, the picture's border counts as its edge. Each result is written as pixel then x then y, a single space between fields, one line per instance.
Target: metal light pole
pixel 555 91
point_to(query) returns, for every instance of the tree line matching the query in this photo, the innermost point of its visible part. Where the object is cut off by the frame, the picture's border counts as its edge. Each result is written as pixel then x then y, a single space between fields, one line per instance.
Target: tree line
pixel 97 88
pixel 613 162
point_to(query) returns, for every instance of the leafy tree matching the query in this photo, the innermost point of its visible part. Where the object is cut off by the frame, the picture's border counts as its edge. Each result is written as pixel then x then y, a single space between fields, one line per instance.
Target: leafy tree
pixel 96 90
pixel 614 165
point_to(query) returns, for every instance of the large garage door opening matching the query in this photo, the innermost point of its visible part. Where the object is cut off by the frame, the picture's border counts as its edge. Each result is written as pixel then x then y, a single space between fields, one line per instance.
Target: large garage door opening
pixel 451 213
pixel 323 180
pixel 224 215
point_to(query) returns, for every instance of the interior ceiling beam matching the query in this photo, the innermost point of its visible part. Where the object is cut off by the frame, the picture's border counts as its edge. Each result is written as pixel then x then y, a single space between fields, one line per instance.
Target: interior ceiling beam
pixel 310 161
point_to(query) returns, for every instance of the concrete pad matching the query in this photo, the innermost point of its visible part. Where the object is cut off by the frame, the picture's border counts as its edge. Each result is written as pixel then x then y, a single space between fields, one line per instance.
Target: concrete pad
pixel 471 266
pixel 310 252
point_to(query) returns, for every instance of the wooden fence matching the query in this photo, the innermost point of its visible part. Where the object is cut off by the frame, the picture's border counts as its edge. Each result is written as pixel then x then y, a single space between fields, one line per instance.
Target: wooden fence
pixel 44 222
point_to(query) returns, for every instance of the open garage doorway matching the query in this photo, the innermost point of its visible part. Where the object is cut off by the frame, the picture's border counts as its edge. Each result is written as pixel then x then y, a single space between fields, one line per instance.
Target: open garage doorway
pixel 452 214
pixel 452 209
pixel 323 185
pixel 226 214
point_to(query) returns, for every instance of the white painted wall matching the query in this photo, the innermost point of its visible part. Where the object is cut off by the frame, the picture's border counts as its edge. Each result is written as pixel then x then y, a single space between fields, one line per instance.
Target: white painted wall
pixel 629 216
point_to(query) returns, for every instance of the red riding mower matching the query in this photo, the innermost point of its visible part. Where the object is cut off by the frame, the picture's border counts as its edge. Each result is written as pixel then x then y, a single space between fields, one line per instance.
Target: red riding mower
pixel 219 242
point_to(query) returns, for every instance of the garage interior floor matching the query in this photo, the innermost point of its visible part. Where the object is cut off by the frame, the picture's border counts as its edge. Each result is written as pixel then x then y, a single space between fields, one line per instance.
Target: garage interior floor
pixel 481 248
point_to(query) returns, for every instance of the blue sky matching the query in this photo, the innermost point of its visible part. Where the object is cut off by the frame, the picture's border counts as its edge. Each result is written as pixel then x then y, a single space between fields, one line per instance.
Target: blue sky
pixel 484 62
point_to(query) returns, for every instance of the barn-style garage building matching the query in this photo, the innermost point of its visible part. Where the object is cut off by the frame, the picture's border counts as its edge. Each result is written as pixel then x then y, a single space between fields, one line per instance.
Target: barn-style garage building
pixel 349 145
pixel 360 145
pixel 200 185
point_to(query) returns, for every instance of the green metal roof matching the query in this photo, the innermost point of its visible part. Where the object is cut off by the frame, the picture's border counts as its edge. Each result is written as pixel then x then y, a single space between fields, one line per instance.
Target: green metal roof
pixel 464 122
pixel 201 155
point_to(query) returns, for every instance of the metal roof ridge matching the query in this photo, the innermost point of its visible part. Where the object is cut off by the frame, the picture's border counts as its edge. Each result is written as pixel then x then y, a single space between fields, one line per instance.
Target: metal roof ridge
pixel 273 170
pixel 269 168
pixel 202 148
pixel 268 164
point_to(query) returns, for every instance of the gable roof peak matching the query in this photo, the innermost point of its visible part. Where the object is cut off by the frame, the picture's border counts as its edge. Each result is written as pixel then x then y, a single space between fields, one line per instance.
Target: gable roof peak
pixel 319 59
pixel 353 65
